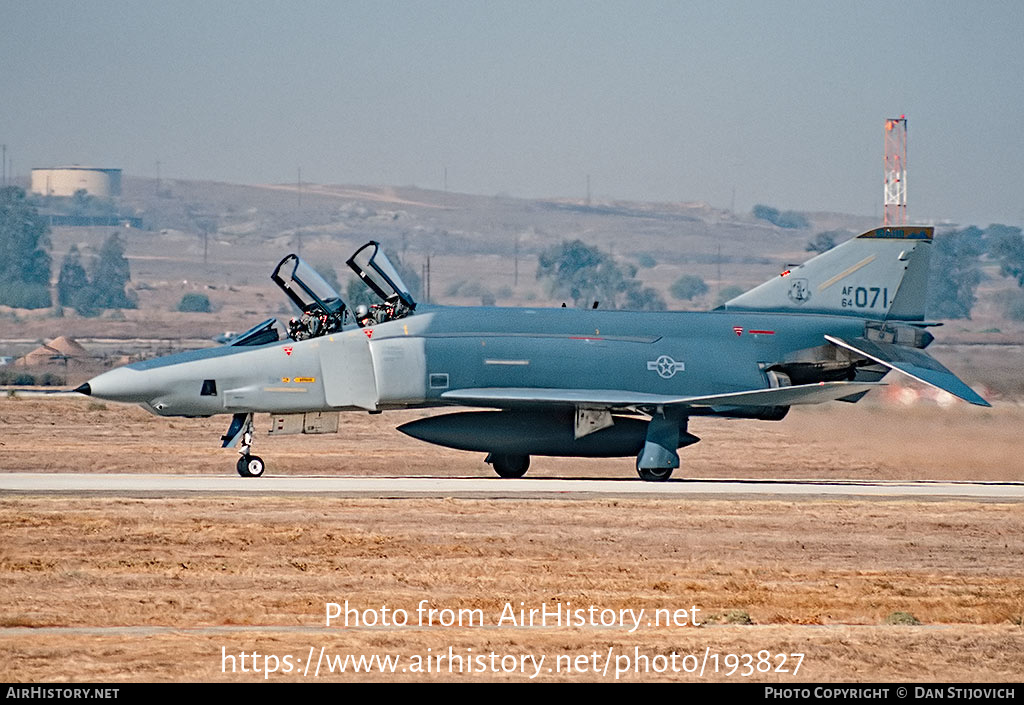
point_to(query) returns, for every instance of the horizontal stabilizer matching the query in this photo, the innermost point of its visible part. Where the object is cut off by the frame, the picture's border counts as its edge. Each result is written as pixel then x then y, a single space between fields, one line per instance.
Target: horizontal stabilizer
pixel 506 397
pixel 913 363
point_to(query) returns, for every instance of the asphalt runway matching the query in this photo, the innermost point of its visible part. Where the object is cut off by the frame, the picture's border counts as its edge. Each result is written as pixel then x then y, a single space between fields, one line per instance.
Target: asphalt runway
pixel 493 487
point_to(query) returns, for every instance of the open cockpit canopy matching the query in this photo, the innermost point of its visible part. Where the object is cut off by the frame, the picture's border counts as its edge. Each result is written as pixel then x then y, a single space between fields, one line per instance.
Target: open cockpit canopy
pixel 306 288
pixel 376 270
pixel 323 310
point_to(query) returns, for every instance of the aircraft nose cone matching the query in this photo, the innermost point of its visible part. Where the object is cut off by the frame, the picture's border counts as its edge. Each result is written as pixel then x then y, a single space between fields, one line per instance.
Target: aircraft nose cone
pixel 83 389
pixel 122 384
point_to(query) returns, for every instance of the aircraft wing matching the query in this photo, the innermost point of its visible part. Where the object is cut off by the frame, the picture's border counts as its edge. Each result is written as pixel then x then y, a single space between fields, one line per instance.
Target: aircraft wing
pixel 502 397
pixel 913 363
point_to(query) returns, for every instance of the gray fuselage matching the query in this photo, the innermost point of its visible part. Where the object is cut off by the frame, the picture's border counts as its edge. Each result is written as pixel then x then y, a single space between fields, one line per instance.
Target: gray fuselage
pixel 412 362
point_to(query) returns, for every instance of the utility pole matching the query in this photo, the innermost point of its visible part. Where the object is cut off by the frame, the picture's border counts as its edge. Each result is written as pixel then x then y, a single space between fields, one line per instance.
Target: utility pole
pixel 515 270
pixel 426 280
pixel 718 261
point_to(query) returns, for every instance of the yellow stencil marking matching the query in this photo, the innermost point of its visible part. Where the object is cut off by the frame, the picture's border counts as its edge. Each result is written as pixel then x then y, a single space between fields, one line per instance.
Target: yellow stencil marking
pixel 848 272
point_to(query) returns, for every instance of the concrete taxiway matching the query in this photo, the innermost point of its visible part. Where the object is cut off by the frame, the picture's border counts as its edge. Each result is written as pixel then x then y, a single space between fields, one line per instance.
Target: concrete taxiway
pixel 137 484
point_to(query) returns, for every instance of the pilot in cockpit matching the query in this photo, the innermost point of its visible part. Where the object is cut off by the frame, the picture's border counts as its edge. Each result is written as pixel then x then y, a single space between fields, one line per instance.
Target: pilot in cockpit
pixel 377 313
pixel 363 317
pixel 313 322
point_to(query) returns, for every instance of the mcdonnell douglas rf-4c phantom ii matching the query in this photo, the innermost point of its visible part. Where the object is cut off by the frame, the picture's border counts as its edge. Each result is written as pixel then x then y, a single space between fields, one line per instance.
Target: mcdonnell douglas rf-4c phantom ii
pixel 560 381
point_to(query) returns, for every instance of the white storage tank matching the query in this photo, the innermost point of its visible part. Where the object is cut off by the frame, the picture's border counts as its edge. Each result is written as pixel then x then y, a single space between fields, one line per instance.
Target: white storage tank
pixel 66 180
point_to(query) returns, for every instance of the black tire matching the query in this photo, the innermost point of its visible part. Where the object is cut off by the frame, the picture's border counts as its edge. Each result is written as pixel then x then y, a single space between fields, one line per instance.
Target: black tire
pixel 653 474
pixel 250 466
pixel 510 465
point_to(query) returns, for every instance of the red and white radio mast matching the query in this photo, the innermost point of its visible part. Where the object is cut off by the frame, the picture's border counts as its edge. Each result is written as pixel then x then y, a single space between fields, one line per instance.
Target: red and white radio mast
pixel 895 171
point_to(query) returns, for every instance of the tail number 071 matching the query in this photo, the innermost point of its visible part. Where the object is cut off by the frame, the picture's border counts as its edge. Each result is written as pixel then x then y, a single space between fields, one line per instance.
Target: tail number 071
pixel 865 297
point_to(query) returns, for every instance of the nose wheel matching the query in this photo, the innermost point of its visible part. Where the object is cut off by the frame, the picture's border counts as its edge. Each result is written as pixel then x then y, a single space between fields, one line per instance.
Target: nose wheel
pixel 250 466
pixel 240 433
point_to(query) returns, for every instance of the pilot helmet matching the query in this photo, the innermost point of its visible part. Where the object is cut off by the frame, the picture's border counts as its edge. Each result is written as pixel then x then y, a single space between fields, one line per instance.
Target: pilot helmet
pixel 361 311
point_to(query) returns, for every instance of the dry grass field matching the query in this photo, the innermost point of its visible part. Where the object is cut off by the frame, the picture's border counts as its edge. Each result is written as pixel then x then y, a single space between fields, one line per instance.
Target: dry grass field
pixel 190 576
pixel 100 588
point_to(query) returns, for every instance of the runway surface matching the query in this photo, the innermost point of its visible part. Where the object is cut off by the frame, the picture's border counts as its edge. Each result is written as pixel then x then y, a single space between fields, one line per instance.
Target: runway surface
pixel 133 484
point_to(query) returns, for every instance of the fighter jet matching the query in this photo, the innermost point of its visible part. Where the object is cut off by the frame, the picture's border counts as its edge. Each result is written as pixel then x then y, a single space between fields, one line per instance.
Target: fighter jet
pixel 559 381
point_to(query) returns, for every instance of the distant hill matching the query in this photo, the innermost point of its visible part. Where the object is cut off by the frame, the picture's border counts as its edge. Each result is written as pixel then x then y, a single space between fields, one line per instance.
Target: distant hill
pixel 222 240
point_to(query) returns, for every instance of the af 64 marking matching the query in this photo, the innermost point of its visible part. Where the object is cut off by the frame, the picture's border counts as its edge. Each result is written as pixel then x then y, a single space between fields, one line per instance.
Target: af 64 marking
pixel 865 297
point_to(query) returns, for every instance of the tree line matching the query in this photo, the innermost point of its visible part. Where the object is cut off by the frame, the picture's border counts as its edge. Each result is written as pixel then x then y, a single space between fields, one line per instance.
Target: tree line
pixel 957 258
pixel 585 274
pixel 26 265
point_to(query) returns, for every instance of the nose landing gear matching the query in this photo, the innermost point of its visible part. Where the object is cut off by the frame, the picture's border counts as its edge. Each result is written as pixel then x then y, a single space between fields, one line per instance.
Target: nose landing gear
pixel 241 429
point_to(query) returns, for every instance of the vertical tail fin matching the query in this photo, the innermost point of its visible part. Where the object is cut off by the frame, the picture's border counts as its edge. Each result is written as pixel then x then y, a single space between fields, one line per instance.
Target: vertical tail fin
pixel 880 274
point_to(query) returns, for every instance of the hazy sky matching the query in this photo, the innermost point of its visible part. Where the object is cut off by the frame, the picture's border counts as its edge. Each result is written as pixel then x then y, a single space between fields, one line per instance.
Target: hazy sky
pixel 661 101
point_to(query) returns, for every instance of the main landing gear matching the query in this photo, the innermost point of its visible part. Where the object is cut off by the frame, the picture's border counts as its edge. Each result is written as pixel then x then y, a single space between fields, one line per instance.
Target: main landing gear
pixel 653 474
pixel 242 429
pixel 511 465
pixel 508 465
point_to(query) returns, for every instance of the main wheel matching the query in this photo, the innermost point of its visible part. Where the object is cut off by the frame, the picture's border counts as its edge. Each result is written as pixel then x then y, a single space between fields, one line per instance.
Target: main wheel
pixel 509 465
pixel 250 466
pixel 652 474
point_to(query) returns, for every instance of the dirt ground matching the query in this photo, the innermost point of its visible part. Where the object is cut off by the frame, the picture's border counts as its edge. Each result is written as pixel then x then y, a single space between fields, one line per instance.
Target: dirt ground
pixel 101 588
